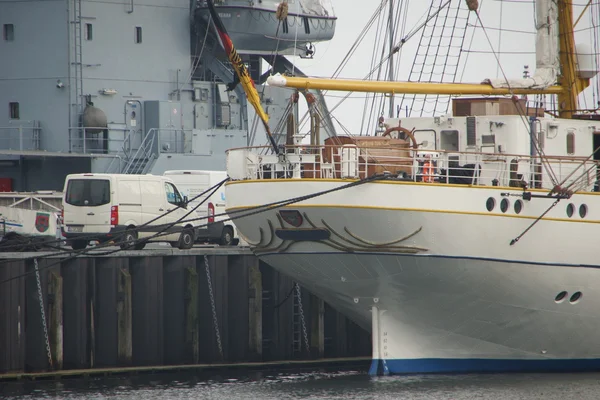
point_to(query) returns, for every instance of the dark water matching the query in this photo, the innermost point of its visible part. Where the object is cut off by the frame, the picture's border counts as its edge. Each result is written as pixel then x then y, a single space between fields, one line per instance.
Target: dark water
pixel 352 385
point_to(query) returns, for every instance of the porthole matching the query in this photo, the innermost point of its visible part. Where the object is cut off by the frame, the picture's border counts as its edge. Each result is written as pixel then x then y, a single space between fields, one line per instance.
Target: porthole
pixel 518 206
pixel 570 210
pixel 583 210
pixel 575 297
pixel 504 205
pixel 490 204
pixel 561 296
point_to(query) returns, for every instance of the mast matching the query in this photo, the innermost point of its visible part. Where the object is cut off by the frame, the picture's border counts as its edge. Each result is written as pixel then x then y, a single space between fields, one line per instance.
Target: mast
pixel 391 61
pixel 571 83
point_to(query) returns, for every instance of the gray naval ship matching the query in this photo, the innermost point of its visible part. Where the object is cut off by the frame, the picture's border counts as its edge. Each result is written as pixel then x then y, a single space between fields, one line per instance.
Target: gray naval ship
pixel 140 86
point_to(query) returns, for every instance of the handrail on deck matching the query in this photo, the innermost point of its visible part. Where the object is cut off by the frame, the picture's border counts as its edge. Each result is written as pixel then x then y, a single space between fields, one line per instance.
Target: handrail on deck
pixel 421 165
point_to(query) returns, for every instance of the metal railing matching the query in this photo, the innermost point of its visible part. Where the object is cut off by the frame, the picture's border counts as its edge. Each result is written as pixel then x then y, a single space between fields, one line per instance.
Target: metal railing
pixel 41 200
pixel 135 151
pixel 467 168
pixel 100 140
pixel 21 136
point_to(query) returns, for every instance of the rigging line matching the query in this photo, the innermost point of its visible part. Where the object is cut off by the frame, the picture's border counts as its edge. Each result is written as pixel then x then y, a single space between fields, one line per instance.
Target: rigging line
pixel 383 70
pixel 367 100
pixel 446 65
pixel 501 52
pixel 253 211
pixel 595 32
pixel 137 228
pixel 582 12
pixel 197 61
pixel 462 44
pixel 499 40
pixel 534 140
pixel 303 121
pixel 274 53
pixel 504 29
pixel 470 44
pixel 89 237
pixel 360 38
pixel 298 22
pixel 75 254
pixel 579 166
pixel 436 17
pixel 437 53
pixel 402 34
pixel 424 26
pixel 402 42
pixel 581 182
pixel 538 219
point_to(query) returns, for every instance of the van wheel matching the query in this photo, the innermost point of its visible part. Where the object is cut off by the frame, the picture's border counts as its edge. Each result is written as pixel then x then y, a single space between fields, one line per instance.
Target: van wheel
pixel 79 244
pixel 186 240
pixel 226 236
pixel 128 240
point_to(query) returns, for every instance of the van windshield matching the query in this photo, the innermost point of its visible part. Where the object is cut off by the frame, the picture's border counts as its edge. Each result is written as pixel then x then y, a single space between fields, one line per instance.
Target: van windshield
pixel 88 192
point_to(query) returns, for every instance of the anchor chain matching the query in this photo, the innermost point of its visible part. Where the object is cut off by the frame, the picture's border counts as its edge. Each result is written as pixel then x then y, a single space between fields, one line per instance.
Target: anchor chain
pixel 41 299
pixel 298 294
pixel 212 304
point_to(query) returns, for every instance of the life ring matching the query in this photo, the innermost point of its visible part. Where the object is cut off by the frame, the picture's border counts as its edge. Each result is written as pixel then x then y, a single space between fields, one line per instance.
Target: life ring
pixel 428 171
pixel 408 133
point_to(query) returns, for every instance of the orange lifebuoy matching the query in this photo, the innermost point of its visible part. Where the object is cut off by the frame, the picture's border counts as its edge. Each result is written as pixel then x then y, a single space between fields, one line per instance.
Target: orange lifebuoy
pixel 428 171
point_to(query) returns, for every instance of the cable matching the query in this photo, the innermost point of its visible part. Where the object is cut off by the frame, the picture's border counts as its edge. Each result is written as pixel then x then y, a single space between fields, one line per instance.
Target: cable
pixel 534 140
pixel 253 211
pixel 137 228
pixel 538 219
pixel 144 240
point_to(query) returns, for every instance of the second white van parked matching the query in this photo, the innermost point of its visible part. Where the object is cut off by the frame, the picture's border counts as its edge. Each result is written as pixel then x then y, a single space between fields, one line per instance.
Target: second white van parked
pixel 212 224
pixel 123 208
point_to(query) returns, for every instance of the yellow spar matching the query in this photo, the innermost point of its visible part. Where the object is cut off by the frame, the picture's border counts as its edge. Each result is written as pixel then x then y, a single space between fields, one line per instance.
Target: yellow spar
pixel 350 85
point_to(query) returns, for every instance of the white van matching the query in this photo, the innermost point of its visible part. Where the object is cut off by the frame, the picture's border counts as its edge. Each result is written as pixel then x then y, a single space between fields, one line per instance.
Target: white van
pixel 108 207
pixel 211 226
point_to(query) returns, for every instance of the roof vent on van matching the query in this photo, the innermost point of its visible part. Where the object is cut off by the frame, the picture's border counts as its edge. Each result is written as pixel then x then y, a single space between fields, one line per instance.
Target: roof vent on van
pixel 187 173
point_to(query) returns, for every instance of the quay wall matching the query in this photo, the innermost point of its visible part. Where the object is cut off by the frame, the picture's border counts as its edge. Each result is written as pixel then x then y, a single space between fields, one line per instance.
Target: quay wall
pixel 156 308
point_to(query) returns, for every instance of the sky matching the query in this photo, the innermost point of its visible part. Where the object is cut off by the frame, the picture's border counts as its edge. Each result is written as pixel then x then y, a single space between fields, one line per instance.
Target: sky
pixel 517 15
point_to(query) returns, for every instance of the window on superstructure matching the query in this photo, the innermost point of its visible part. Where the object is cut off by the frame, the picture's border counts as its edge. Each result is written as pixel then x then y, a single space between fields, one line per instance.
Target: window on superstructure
pixel 13 110
pixel 9 32
pixel 89 32
pixel 138 34
pixel 570 143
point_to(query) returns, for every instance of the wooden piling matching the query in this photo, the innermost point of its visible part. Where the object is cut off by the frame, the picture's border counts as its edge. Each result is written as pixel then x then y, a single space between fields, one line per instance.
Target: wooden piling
pixel 55 316
pixel 317 327
pixel 192 343
pixel 124 317
pixel 255 309
pixel 154 308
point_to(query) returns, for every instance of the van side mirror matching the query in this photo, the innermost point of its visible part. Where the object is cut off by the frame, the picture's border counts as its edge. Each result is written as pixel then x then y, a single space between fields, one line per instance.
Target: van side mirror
pixel 184 202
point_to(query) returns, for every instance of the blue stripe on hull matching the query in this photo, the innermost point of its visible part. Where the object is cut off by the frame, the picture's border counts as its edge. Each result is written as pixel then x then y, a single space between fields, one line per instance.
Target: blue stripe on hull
pixel 497 260
pixel 474 365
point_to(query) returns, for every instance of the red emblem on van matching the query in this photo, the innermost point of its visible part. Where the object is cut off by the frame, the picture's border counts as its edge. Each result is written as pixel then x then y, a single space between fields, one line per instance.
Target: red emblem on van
pixel 42 222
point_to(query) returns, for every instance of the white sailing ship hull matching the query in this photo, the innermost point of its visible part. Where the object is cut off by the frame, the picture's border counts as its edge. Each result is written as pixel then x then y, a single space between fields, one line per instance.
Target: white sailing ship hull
pixel 451 294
